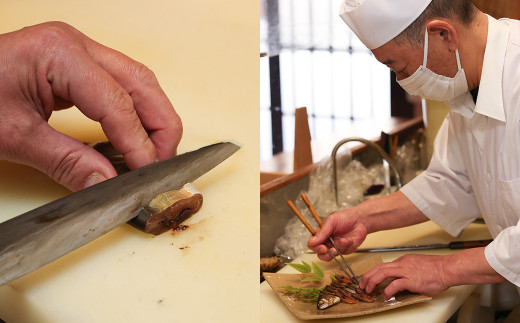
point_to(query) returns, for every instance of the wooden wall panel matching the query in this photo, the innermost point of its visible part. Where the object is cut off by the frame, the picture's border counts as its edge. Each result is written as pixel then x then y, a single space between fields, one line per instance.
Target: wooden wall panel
pixel 500 8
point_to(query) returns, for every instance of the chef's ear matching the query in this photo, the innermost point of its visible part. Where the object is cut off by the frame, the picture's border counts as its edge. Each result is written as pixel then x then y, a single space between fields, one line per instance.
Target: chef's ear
pixel 443 31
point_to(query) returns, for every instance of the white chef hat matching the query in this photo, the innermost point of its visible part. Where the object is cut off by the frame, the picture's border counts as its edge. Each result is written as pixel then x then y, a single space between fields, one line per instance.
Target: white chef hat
pixel 376 22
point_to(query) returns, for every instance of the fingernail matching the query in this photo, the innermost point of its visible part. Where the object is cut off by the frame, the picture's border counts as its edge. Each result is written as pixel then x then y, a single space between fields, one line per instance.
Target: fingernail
pixel 93 179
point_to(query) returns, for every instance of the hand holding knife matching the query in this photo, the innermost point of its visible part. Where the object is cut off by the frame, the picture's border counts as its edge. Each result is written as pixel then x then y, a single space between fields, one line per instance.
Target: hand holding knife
pixel 37 237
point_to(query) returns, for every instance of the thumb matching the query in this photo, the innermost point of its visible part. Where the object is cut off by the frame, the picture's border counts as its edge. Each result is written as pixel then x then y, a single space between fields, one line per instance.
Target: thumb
pixel 67 160
pixel 322 234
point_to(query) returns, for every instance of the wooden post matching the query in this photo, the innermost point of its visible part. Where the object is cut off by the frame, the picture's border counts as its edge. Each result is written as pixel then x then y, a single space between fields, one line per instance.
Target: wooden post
pixel 302 139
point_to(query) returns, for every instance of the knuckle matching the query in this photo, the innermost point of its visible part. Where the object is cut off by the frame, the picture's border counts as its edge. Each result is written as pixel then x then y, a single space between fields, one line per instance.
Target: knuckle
pixel 395 285
pixel 384 271
pixel 63 169
pixel 144 75
pixel 405 257
pixel 174 129
pixel 176 123
pixel 57 33
pixel 121 103
pixel 50 39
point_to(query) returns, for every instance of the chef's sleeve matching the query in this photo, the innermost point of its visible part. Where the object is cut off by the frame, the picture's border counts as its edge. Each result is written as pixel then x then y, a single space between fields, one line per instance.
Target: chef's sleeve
pixel 503 254
pixel 443 191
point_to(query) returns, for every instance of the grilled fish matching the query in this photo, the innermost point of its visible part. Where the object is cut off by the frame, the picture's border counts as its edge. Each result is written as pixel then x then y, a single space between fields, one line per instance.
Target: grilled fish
pixel 342 290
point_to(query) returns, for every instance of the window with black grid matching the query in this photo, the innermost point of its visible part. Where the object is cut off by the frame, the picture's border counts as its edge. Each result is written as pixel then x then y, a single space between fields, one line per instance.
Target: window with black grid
pixel 312 59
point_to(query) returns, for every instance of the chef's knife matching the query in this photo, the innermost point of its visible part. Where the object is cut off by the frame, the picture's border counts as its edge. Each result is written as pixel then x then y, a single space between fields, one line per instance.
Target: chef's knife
pixel 451 245
pixel 42 235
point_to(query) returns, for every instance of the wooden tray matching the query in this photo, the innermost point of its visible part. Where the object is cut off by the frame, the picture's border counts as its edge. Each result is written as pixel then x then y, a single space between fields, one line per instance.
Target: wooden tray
pixel 309 311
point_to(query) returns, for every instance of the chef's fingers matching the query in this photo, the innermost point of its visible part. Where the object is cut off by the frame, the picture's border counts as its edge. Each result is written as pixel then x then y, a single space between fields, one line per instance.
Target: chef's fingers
pixel 323 254
pixel 322 234
pixel 347 245
pixel 397 285
pixel 344 244
pixel 153 107
pixel 319 246
pixel 66 160
pixel 378 274
pixel 321 250
pixel 75 77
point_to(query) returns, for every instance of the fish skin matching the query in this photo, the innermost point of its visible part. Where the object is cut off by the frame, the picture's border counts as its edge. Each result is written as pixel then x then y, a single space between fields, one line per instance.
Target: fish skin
pixel 347 297
pixel 324 302
pixel 342 290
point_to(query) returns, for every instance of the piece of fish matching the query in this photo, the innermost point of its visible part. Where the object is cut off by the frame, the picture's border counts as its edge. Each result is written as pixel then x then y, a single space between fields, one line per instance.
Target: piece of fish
pixel 342 290
pixel 327 300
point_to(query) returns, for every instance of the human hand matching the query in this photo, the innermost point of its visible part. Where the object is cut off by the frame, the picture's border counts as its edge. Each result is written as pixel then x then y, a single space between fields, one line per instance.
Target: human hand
pixel 53 66
pixel 347 230
pixel 416 273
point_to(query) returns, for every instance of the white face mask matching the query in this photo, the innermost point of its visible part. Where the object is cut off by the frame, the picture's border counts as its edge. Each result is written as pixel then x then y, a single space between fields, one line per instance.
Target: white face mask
pixel 426 83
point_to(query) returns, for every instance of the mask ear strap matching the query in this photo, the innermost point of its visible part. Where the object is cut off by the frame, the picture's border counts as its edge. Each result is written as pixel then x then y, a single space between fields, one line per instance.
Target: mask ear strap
pixel 425 47
pixel 425 59
pixel 458 58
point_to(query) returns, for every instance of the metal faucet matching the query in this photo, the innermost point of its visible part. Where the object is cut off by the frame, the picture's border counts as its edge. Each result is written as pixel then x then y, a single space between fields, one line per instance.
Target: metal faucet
pixel 370 144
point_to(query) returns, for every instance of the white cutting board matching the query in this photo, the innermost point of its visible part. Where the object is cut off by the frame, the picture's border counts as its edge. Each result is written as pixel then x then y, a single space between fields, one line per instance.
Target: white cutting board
pixel 206 58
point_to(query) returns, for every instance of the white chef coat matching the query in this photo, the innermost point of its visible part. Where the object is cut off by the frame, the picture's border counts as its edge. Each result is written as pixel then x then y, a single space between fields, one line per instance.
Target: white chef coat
pixel 475 169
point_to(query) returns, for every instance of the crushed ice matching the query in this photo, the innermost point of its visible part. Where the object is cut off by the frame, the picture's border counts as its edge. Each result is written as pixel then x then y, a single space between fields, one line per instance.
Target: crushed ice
pixel 353 181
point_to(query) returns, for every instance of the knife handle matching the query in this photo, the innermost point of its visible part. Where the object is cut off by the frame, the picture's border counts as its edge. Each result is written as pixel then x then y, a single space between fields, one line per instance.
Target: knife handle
pixel 468 244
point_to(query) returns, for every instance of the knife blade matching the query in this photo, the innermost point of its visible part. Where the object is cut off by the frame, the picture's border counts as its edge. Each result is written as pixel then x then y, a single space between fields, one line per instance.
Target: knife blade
pixel 451 245
pixel 37 237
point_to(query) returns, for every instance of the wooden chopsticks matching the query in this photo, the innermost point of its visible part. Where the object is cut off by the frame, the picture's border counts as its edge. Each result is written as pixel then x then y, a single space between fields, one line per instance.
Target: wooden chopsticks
pixel 350 275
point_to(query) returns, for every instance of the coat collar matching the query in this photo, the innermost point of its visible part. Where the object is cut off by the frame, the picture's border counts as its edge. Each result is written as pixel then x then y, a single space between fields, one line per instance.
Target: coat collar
pixel 490 102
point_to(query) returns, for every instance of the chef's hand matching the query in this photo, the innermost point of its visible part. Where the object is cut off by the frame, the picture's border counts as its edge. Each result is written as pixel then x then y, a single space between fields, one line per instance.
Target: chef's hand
pixel 432 274
pixel 53 66
pixel 350 227
pixel 416 273
pixel 347 230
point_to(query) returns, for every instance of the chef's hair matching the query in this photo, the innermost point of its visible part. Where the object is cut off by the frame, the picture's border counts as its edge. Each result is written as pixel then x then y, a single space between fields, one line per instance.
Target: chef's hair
pixel 462 10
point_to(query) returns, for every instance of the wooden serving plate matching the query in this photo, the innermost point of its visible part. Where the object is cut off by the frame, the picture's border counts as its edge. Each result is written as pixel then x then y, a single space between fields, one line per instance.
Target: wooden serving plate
pixel 309 311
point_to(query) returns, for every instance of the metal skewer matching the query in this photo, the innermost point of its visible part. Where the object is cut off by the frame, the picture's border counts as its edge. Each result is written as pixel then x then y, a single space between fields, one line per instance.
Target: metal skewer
pixel 313 232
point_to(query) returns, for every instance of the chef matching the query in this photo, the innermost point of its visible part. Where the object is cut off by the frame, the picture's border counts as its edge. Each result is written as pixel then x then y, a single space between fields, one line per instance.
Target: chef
pixel 445 50
pixel 53 66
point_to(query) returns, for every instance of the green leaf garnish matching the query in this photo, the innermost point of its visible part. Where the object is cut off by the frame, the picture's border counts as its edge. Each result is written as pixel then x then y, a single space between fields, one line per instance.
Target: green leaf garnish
pixel 304 294
pixel 301 268
pixel 307 266
pixel 317 270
